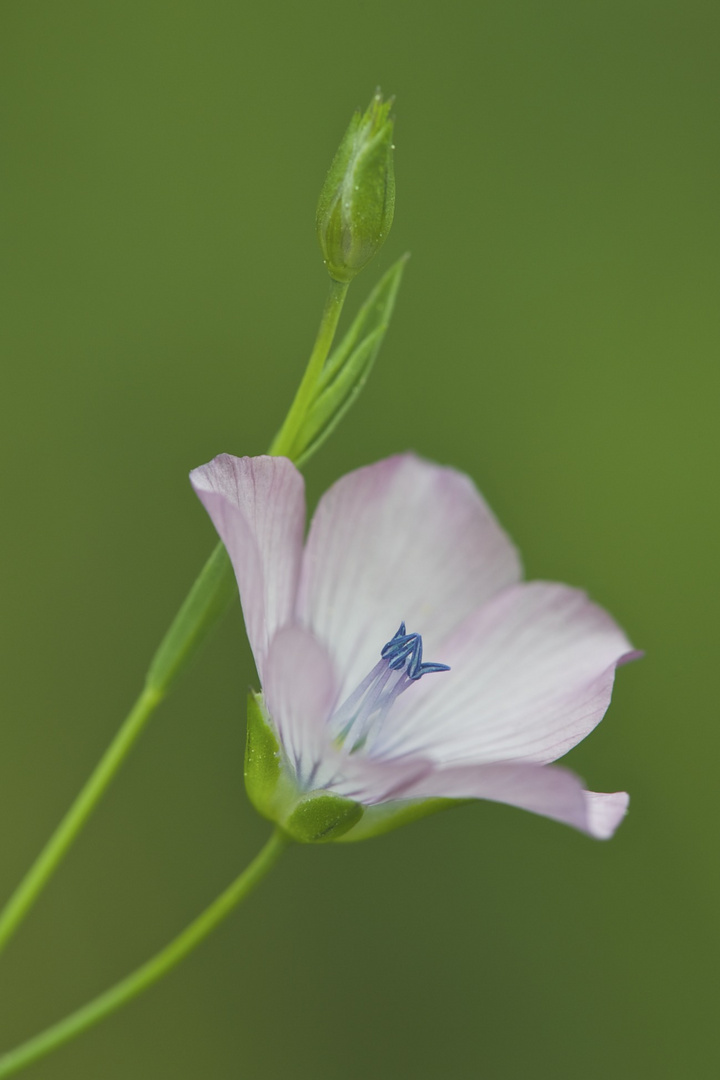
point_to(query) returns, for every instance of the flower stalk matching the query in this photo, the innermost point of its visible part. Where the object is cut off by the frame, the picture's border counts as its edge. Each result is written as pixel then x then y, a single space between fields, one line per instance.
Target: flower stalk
pixel 209 598
pixel 57 846
pixel 284 443
pixel 153 970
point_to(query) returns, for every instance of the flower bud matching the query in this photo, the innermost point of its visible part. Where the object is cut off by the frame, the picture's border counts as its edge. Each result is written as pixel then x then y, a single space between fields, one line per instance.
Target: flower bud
pixel 356 204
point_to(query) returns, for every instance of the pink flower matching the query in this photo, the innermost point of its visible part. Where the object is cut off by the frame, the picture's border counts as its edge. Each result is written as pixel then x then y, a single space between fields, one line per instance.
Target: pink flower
pixel 404 564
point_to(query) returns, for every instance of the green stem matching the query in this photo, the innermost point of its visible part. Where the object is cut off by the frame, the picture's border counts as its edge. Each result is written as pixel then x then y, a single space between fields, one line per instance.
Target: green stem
pixel 208 599
pixel 283 443
pixel 153 970
pixel 42 869
pixel 205 603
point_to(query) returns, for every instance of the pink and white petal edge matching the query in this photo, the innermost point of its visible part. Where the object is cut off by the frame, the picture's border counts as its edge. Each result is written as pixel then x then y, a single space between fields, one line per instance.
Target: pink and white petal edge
pixel 257 506
pixel 547 790
pixel 531 675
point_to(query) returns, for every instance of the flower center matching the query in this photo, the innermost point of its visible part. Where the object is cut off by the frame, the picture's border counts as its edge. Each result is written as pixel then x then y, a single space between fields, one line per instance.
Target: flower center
pixel 364 711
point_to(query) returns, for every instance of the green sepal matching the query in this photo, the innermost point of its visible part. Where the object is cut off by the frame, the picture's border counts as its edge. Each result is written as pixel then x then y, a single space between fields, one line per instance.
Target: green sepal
pixel 334 179
pixel 262 759
pixel 321 817
pixel 349 365
pixel 387 816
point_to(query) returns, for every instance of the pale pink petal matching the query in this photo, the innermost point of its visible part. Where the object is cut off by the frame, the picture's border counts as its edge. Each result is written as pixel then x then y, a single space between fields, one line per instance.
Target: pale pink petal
pixel 605 812
pixel 257 505
pixel 300 690
pixel 399 540
pixel 366 781
pixel 531 674
pixel 543 789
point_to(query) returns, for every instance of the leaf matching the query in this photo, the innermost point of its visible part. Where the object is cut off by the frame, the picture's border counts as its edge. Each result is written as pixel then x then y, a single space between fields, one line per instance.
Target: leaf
pixel 348 366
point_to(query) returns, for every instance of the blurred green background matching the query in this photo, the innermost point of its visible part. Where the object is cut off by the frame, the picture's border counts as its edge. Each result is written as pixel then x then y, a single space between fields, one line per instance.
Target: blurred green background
pixel 556 337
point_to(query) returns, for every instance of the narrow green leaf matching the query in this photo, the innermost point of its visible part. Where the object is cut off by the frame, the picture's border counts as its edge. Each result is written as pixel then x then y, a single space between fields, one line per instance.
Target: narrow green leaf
pixel 349 365
pixel 373 315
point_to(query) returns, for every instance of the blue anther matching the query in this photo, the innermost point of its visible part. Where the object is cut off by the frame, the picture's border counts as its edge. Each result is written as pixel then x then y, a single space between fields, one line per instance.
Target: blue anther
pixel 395 641
pixel 408 647
pixel 427 669
pixel 415 659
pixel 397 657
pixel 397 650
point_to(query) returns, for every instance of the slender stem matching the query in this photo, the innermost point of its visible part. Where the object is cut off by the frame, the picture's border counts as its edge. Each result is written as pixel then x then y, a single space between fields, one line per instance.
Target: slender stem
pixel 210 596
pixel 42 869
pixel 153 970
pixel 205 603
pixel 283 443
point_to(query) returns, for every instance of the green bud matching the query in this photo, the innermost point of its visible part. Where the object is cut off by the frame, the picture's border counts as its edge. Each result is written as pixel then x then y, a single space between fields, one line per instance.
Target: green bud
pixel 356 204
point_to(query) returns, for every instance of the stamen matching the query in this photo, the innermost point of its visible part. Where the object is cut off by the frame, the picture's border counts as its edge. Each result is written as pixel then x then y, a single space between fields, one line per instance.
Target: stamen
pixel 402 646
pixel 362 713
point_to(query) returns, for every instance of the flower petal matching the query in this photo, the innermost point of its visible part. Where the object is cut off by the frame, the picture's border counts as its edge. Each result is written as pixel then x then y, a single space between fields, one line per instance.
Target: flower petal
pixel 300 689
pixel 358 777
pixel 547 790
pixel 531 674
pixel 257 506
pixel 399 540
pixel 605 812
